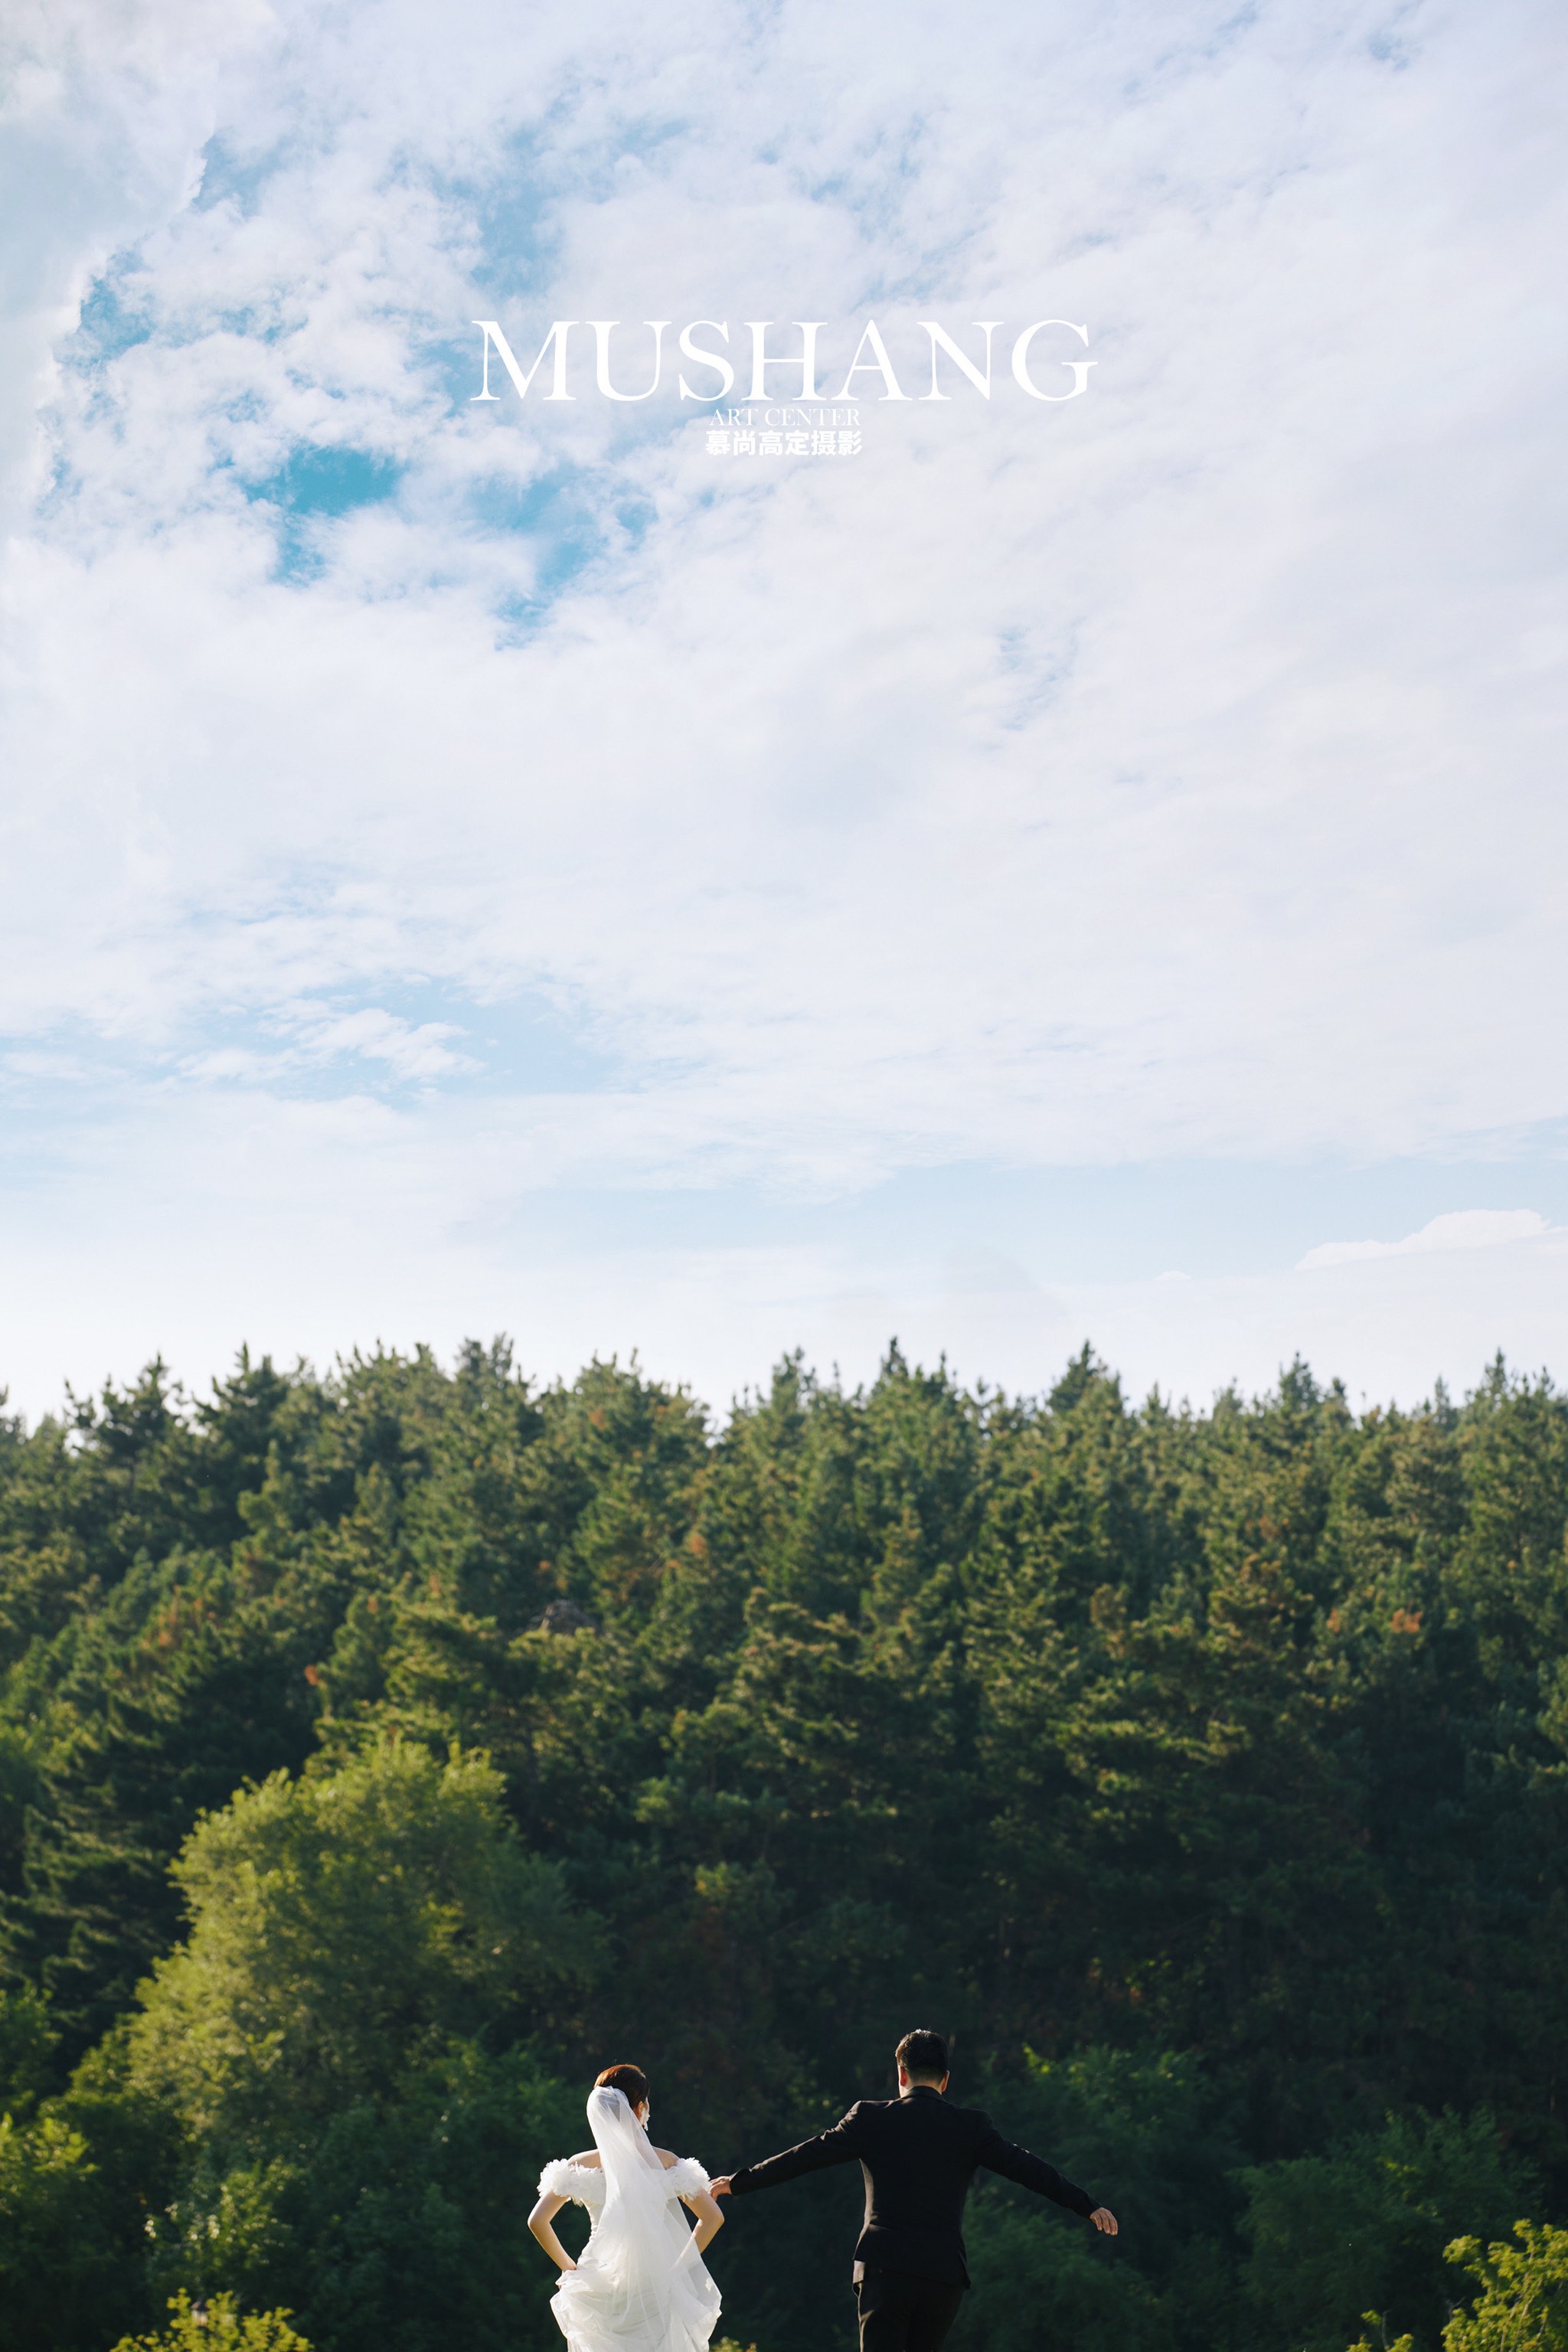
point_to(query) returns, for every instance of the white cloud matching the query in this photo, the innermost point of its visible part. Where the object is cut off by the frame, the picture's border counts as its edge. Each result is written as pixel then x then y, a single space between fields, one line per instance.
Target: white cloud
pixel 1461 1229
pixel 1167 774
pixel 308 1040
pixel 104 105
pixel 314 1226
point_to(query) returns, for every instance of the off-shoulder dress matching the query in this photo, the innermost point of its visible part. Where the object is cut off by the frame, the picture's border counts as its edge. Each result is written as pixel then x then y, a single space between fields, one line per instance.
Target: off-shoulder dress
pixel 666 2303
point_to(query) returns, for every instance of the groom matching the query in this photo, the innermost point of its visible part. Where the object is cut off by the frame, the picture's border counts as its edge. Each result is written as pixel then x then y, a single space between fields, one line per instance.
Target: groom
pixel 919 2156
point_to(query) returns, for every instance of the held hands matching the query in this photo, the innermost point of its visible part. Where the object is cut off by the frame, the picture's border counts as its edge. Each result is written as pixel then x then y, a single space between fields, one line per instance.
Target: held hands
pixel 1102 2217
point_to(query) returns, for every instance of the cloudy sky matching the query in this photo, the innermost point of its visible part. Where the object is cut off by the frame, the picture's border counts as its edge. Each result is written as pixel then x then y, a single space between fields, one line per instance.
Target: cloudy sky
pixel 1071 869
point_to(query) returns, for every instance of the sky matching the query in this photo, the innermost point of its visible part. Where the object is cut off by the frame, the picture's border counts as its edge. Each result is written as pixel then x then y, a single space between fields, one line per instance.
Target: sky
pixel 1071 869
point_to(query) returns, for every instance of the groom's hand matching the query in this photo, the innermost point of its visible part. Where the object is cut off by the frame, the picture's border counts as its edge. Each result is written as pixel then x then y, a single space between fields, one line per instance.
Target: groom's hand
pixel 1104 2219
pixel 720 2188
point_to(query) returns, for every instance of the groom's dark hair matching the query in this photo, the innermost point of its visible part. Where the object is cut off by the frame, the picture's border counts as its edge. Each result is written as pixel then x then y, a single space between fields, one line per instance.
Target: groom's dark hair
pixel 629 2079
pixel 922 2055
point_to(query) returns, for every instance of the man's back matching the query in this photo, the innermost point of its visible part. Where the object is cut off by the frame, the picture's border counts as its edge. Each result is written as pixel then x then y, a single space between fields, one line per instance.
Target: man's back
pixel 918 2155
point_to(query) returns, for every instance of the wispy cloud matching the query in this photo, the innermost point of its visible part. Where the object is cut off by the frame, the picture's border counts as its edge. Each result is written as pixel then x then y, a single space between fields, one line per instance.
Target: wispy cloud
pixel 309 1039
pixel 1461 1229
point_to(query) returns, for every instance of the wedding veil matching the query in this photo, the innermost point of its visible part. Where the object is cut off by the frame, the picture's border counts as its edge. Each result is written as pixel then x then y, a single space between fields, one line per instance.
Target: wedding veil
pixel 641 2285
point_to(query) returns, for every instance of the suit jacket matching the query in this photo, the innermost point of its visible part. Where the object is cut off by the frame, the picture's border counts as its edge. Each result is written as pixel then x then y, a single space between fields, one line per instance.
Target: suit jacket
pixel 919 2156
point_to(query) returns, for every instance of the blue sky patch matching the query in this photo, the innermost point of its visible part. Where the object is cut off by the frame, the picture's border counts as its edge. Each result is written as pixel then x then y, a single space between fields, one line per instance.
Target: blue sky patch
pixel 330 481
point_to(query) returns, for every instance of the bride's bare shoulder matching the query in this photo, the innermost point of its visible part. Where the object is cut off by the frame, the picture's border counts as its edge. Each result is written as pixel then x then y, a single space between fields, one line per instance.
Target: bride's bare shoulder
pixel 592 2162
pixel 667 2157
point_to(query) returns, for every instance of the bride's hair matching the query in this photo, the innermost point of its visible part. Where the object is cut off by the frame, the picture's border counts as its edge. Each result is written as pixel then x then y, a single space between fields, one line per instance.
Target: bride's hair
pixel 629 2079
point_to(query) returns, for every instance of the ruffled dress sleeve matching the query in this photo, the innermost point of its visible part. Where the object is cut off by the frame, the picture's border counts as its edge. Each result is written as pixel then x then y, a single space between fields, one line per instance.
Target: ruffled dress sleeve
pixel 581 2182
pixel 687 2179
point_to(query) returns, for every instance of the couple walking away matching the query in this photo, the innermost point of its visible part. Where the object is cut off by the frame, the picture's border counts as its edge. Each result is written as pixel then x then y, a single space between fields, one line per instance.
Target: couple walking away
pixel 640 2284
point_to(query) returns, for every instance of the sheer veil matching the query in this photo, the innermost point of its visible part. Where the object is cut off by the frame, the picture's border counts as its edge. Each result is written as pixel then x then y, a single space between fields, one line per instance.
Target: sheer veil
pixel 641 2285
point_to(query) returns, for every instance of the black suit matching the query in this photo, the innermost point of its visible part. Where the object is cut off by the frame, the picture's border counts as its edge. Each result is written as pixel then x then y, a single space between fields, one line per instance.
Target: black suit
pixel 919 2156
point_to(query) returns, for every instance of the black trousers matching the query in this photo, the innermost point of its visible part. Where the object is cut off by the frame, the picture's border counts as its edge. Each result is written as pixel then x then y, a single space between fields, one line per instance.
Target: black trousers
pixel 900 2313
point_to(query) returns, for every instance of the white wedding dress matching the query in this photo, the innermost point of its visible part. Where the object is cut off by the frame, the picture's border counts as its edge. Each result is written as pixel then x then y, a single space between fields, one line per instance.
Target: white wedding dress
pixel 640 2284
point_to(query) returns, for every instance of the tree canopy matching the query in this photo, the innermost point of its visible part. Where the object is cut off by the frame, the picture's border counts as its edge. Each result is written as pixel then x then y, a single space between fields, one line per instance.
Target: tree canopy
pixel 382 1752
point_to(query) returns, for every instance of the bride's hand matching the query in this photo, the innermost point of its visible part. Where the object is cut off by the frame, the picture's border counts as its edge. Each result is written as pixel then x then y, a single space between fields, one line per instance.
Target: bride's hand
pixel 567 2265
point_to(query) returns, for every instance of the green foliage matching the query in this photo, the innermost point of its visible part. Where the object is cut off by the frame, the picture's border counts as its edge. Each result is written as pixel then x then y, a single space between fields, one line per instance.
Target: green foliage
pixel 81 2175
pixel 339 1924
pixel 55 2267
pixel 218 2326
pixel 1524 2303
pixel 402 2224
pixel 1371 2220
pixel 27 2043
pixel 1153 2136
pixel 355 1936
pixel 72 2215
pixel 1220 1760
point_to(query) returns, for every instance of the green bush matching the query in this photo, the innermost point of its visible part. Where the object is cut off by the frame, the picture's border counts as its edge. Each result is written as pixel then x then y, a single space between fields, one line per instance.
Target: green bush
pixel 78 2184
pixel 339 1923
pixel 218 2326
pixel 1523 2303
pixel 1144 2134
pixel 358 2148
pixel 27 2044
pixel 403 2224
pixel 57 2272
pixel 1368 2224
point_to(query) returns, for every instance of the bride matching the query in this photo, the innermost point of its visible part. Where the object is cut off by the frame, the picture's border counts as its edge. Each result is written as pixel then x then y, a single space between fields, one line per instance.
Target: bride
pixel 639 2285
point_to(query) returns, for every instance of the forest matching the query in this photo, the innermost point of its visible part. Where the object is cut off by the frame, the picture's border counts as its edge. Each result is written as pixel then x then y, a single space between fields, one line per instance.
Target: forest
pixel 382 1752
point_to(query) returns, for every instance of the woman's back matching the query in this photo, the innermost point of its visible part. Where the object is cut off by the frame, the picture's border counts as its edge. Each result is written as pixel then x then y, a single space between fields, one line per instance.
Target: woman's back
pixel 580 2180
pixel 640 2284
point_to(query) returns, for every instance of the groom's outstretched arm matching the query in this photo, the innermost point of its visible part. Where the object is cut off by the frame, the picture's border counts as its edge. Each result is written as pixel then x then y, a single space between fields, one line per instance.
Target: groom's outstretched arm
pixel 1015 2163
pixel 838 2145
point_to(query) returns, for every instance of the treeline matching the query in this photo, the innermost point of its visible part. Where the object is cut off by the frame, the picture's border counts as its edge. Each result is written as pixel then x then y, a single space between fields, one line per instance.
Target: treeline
pixel 381 1754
